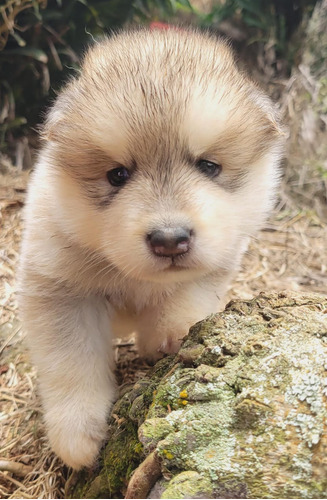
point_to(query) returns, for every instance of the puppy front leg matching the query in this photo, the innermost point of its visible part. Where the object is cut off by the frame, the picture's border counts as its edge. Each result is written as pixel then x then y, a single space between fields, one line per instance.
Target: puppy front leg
pixel 162 329
pixel 71 346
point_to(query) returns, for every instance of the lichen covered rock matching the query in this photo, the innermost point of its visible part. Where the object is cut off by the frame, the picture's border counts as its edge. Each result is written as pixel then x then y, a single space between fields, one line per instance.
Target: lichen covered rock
pixel 240 412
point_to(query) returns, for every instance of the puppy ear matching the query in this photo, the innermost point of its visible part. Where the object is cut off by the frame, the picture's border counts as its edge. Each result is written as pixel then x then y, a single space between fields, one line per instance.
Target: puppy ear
pixel 272 113
pixel 54 117
pixel 57 115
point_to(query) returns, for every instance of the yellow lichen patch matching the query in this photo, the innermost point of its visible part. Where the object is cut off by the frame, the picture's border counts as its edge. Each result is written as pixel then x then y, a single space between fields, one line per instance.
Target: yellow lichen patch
pixel 167 454
pixel 184 402
pixel 183 394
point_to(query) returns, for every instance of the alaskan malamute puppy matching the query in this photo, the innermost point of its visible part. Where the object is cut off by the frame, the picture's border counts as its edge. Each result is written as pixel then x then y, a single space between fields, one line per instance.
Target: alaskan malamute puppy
pixel 160 161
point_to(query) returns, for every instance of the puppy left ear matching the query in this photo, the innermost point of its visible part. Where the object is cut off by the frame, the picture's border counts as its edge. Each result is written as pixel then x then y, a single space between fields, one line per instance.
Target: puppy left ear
pixel 272 112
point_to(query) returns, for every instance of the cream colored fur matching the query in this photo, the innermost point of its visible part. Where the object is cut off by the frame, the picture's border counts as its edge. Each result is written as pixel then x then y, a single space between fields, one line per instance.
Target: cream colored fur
pixel 154 102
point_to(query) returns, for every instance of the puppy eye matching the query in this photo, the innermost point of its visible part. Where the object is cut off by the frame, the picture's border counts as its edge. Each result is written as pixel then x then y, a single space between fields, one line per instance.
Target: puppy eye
pixel 209 168
pixel 118 176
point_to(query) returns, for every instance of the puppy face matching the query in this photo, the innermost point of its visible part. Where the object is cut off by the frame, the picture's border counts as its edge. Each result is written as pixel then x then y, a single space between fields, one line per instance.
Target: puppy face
pixel 164 157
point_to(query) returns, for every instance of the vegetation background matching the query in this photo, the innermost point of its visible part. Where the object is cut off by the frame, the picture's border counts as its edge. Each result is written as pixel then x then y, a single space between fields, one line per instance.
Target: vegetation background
pixel 42 43
pixel 282 43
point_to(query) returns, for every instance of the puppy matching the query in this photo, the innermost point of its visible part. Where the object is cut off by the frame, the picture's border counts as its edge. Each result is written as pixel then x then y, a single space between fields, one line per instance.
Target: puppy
pixel 160 161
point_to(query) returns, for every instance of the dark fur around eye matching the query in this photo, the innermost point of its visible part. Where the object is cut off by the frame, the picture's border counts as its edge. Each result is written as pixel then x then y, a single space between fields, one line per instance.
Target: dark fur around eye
pixel 118 176
pixel 209 168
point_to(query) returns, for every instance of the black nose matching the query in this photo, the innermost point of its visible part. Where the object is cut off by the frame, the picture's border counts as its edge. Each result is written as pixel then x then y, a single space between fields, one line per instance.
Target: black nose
pixel 170 241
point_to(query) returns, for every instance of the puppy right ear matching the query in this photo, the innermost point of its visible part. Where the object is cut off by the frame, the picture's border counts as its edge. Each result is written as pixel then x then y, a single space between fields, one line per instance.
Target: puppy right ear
pixel 53 120
pixel 57 115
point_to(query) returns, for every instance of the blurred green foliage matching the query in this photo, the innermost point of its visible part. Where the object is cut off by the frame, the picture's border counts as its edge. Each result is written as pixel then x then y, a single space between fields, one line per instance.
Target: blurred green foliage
pixel 273 20
pixel 42 42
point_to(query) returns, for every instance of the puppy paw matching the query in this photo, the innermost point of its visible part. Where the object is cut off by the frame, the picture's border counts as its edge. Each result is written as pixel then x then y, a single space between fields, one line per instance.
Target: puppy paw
pixel 170 345
pixel 151 356
pixel 153 351
pixel 76 443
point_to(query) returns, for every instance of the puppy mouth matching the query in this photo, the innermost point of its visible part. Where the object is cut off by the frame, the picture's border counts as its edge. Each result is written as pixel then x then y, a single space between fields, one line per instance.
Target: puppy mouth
pixel 174 269
pixel 176 264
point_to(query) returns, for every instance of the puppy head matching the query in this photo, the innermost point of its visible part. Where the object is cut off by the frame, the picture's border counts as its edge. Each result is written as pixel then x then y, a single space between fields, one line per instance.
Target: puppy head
pixel 164 156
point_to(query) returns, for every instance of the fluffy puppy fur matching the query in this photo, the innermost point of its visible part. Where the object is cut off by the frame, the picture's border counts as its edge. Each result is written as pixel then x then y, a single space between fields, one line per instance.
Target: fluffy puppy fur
pixel 160 131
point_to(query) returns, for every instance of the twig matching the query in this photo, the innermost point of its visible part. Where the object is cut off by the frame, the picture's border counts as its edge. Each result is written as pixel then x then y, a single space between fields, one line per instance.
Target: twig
pixel 9 339
pixel 144 477
pixel 14 481
pixel 15 467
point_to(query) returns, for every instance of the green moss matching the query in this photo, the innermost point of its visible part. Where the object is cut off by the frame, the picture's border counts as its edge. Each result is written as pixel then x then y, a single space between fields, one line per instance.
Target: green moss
pixel 121 456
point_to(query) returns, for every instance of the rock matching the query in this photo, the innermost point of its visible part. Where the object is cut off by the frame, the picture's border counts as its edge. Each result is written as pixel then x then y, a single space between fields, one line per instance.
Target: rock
pixel 239 412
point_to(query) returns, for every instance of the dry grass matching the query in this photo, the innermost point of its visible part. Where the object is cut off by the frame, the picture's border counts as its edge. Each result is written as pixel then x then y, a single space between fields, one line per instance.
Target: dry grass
pixel 289 254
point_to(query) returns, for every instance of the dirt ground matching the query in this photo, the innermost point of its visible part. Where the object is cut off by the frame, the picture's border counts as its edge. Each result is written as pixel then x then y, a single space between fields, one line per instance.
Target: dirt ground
pixel 290 253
